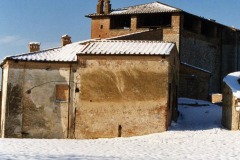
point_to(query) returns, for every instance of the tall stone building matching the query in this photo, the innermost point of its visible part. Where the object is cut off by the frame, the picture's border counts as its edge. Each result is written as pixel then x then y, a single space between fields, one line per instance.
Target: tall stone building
pixel 201 42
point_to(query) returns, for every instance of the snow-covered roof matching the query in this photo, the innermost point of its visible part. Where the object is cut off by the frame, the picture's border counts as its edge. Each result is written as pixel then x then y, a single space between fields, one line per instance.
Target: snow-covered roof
pixel 154 7
pixel 60 54
pixel 233 81
pixel 128 47
pixel 69 52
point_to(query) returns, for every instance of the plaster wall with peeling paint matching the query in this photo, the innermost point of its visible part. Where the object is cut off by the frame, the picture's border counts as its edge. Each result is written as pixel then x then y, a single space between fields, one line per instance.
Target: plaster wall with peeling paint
pixel 30 109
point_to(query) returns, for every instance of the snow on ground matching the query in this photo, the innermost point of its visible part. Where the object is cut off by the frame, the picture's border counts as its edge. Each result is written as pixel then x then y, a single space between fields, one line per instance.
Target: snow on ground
pixel 197 135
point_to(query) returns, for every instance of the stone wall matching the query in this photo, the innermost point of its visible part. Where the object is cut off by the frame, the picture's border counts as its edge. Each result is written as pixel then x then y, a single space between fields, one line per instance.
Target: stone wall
pixel 194 83
pixel 204 53
pixel 230 51
pixel 230 116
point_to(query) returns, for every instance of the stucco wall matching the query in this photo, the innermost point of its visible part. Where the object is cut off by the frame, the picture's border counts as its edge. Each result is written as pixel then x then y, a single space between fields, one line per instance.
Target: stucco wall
pixel 121 96
pixel 31 107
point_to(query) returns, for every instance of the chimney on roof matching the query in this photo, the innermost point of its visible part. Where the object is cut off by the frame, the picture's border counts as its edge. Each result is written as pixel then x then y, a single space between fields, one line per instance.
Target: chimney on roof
pixel 104 7
pixel 100 7
pixel 66 39
pixel 107 7
pixel 34 46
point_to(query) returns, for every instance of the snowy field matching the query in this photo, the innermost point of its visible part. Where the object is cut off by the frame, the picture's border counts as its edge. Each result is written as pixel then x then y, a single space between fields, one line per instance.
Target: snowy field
pixel 197 135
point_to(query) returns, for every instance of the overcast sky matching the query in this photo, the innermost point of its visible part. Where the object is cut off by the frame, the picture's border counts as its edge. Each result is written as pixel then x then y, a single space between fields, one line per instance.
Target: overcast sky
pixel 45 21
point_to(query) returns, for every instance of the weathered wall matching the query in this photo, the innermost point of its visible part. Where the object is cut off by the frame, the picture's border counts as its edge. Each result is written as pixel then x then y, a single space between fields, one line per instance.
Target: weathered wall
pixel 172 34
pixel 230 117
pixel 194 83
pixel 97 31
pixel 121 96
pixel 32 110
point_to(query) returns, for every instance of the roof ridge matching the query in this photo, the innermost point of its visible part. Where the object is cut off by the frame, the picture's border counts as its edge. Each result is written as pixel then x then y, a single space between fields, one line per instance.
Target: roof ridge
pixel 124 8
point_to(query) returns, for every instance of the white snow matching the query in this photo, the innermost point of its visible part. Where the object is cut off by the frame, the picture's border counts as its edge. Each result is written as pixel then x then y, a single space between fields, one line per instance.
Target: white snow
pixel 197 135
pixel 38 43
pixel 232 81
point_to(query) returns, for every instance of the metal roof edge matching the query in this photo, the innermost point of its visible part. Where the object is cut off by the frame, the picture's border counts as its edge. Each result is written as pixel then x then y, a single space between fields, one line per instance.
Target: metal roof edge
pixel 198 68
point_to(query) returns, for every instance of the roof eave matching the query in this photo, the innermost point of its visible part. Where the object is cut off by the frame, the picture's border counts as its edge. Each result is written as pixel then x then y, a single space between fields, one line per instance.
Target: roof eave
pixel 36 61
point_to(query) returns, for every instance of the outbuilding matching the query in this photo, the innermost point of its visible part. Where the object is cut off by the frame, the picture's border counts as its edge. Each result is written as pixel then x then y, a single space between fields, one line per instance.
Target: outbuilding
pixel 91 89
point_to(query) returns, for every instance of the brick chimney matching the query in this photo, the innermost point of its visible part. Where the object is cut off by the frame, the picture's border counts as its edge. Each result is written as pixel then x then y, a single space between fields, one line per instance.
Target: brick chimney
pixel 107 7
pixel 66 39
pixel 100 6
pixel 34 46
pixel 104 7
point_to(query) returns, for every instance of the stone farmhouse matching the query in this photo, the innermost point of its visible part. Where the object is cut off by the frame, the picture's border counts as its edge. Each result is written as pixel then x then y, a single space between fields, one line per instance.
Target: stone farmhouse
pixel 202 43
pixel 90 89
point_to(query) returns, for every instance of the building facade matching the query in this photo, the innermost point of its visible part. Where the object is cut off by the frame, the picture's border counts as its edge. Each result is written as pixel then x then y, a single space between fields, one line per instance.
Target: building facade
pixel 91 89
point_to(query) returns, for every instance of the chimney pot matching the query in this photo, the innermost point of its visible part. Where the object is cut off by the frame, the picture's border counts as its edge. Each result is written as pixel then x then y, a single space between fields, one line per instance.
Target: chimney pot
pixel 66 39
pixel 34 46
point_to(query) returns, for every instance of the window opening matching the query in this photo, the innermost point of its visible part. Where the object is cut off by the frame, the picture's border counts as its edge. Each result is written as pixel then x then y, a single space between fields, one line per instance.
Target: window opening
pixel 154 20
pixel 120 22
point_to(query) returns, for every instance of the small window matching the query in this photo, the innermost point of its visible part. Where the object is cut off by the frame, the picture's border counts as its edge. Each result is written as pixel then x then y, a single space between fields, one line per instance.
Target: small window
pixel 62 92
pixel 101 26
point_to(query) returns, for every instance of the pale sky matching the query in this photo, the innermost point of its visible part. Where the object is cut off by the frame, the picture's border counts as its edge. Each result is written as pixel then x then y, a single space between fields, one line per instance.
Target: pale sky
pixel 45 21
